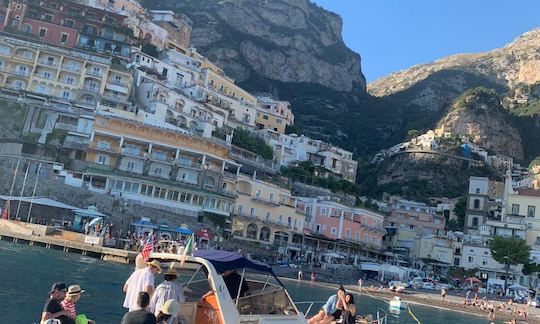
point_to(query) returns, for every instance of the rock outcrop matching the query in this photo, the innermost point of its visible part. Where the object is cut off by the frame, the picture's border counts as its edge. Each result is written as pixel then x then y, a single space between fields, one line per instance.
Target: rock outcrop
pixel 479 115
pixel 517 62
pixel 283 40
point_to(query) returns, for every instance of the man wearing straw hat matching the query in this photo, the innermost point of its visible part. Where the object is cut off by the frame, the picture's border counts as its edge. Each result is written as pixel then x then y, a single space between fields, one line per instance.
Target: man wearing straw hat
pixel 168 289
pixel 141 280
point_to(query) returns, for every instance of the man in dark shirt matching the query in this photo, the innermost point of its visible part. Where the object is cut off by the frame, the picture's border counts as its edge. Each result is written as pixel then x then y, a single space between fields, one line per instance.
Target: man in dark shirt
pixel 140 316
pixel 232 281
pixel 52 308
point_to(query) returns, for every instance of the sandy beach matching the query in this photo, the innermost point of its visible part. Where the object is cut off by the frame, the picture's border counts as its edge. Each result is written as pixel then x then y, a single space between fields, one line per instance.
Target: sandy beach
pixel 432 299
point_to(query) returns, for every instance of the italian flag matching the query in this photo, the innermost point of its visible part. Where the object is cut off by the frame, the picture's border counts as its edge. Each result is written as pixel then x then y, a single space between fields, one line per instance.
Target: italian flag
pixel 187 249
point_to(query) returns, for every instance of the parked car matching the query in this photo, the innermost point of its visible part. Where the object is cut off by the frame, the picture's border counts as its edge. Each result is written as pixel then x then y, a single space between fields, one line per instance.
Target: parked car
pixel 427 285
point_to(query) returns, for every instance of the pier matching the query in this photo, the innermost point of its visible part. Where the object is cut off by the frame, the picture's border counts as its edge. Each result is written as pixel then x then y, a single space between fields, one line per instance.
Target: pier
pixel 67 241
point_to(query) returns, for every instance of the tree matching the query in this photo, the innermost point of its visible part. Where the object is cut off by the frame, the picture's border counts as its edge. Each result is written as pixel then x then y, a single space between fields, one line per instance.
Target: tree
pixel 509 251
pixel 459 211
pixel 413 133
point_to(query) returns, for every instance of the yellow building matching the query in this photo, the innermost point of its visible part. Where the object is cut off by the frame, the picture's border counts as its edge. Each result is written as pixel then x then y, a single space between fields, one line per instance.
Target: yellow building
pixel 273 114
pixel 160 167
pixel 266 213
pixel 524 205
pixel 62 75
pixel 217 80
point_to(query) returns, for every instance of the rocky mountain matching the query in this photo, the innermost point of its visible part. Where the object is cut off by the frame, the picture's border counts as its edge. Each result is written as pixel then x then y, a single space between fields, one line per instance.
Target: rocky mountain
pixel 479 115
pixel 282 40
pixel 517 62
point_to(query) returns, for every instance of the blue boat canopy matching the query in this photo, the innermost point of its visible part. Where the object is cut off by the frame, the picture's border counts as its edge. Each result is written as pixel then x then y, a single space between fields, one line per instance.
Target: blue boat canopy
pixel 224 260
pixel 184 231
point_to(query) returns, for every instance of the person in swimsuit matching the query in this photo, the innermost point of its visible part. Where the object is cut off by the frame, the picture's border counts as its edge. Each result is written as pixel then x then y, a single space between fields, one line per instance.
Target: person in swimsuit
pixel 331 310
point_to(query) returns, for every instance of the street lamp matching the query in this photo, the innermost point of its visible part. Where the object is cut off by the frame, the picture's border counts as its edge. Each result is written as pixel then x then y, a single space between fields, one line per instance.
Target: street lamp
pixel 506 274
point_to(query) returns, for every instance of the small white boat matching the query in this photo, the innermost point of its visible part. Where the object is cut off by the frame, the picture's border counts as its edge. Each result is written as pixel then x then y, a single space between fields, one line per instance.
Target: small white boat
pixel 397 304
pixel 266 303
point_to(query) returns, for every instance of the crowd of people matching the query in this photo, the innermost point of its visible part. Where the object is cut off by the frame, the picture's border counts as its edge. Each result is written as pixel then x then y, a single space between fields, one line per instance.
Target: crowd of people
pixel 494 307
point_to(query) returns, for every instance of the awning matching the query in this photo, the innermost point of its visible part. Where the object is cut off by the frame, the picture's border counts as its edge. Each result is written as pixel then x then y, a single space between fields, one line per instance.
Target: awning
pixel 144 224
pixel 40 201
pixel 224 260
pixel 89 212
pixel 183 231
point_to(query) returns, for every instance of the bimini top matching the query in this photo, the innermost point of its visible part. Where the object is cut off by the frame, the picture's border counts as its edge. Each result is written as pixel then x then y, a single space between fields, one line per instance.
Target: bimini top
pixel 224 260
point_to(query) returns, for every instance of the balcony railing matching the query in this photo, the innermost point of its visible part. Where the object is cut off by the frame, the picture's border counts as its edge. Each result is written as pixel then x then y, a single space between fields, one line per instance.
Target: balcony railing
pixel 270 202
pixel 68 127
pixel 91 89
pixel 108 149
pixel 49 63
pixel 72 68
pixel 94 73
pixel 133 153
pixel 155 156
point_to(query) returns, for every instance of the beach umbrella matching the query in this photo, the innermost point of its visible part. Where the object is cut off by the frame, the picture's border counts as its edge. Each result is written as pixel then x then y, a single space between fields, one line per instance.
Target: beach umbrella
pixel 473 280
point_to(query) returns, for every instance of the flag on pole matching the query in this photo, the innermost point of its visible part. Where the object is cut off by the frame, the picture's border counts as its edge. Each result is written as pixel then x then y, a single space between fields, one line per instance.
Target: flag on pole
pixel 187 249
pixel 148 247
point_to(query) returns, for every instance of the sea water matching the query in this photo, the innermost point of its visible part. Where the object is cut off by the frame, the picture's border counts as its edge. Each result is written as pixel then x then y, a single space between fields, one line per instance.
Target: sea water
pixel 27 273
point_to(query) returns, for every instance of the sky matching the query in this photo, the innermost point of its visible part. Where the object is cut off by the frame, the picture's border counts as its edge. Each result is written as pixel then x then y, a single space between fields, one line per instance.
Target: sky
pixel 392 35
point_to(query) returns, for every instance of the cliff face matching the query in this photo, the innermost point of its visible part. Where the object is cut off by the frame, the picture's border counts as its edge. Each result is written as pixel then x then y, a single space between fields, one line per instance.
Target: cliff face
pixel 479 115
pixel 517 62
pixel 282 40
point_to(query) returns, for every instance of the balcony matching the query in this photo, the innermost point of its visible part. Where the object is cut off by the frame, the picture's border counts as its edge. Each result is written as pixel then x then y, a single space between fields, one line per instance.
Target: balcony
pixel 265 201
pixel 161 157
pixel 71 68
pixel 68 127
pixel 230 175
pixel 21 73
pixel 48 63
pixel 190 165
pixel 247 216
pixel 128 151
pixel 229 193
pixel 104 148
pixel 91 89
pixel 94 73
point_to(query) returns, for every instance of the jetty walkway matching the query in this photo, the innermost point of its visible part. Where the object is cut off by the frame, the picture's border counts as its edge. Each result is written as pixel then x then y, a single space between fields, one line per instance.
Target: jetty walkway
pixel 52 238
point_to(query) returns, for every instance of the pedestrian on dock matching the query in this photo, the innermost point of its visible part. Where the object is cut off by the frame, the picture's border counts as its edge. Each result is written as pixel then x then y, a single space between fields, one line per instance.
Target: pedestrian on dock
pixel 53 309
pixel 300 274
pixel 313 276
pixel 360 284
pixel 141 280
pixel 443 294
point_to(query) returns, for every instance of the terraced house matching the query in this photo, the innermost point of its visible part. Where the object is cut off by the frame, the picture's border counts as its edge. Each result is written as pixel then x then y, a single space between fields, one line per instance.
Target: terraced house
pixel 161 168
pixel 265 213
pixel 62 75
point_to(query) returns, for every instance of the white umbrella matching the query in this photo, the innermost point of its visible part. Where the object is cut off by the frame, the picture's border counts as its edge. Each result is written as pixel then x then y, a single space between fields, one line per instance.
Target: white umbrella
pixel 95 220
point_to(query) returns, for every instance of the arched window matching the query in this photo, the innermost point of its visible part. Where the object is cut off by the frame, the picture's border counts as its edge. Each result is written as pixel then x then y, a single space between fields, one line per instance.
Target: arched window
pixel 477 190
pixel 252 231
pixel 475 221
pixel 476 204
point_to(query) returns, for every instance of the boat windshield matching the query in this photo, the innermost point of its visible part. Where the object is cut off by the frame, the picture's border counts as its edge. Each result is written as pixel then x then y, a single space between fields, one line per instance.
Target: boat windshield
pixel 265 298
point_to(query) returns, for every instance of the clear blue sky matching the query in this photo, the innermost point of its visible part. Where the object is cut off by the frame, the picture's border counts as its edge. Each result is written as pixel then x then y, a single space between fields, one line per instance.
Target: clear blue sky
pixel 392 35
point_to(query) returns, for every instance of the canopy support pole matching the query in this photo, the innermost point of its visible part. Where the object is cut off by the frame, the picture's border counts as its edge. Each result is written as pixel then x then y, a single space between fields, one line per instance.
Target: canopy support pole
pixel 265 283
pixel 191 279
pixel 240 287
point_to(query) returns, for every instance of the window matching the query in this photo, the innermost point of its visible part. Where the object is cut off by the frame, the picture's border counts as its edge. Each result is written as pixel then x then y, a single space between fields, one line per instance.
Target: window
pixel 117 79
pixel 411 227
pixel 265 117
pixel 46 75
pixel 476 203
pixel 27 54
pixel 65 94
pixel 333 231
pixel 70 23
pixel 101 159
pixel 18 85
pixel 42 32
pixel 5 50
pixel 70 80
pixel 27 28
pixel 63 38
pixel 268 217
pixel 477 190
pixel 531 210
pixel 324 227
pixel 475 221
pixel 130 166
pixel 515 209
pixel 48 18
pixel 348 234
pixel 471 259
pixel 456 262
pixel 323 211
pixel 278 120
pixel 42 89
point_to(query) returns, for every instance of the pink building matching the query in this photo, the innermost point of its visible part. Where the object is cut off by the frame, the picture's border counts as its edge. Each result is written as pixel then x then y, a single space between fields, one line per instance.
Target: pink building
pixel 336 221
pixel 415 216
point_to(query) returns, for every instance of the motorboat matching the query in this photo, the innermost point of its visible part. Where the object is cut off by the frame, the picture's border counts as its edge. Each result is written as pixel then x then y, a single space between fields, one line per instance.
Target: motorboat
pixel 267 301
pixel 396 304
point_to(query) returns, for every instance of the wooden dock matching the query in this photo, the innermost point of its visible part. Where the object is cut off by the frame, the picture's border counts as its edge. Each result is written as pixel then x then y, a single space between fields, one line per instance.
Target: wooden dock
pixel 67 241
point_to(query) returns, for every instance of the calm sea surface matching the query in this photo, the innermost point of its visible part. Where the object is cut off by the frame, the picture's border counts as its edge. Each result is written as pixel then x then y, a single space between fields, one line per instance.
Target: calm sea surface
pixel 27 273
